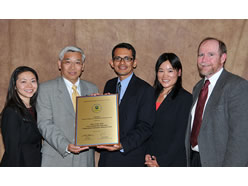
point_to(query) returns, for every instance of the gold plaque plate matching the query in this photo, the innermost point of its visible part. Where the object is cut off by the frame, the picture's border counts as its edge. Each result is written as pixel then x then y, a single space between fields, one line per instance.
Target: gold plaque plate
pixel 97 120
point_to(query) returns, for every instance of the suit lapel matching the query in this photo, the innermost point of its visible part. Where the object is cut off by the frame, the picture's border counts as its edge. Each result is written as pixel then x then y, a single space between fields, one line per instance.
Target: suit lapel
pixel 130 91
pixel 217 88
pixel 84 89
pixel 112 86
pixel 215 96
pixel 166 102
pixel 127 100
pixel 64 97
pixel 197 91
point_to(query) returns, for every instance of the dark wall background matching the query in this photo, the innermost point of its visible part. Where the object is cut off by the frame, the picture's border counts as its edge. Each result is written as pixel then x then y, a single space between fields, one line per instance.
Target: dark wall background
pixel 36 43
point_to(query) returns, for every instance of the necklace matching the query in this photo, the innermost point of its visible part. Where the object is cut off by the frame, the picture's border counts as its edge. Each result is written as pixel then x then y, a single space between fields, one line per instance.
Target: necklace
pixel 167 93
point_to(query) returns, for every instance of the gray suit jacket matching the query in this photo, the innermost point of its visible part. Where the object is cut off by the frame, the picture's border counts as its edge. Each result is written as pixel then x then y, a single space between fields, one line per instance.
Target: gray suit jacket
pixel 56 122
pixel 223 137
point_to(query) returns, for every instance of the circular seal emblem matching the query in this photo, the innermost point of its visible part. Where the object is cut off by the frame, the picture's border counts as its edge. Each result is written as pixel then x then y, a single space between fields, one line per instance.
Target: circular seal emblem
pixel 96 108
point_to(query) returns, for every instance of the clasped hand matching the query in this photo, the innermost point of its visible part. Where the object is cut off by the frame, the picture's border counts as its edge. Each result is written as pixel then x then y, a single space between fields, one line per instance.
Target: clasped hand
pixel 76 149
pixel 107 147
pixel 151 161
pixel 110 147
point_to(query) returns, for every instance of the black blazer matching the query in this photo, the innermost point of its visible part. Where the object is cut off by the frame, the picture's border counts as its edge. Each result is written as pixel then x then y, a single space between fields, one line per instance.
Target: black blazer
pixel 22 140
pixel 136 118
pixel 167 141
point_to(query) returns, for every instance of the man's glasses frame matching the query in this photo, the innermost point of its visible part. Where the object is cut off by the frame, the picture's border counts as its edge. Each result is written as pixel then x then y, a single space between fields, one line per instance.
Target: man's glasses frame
pixel 125 59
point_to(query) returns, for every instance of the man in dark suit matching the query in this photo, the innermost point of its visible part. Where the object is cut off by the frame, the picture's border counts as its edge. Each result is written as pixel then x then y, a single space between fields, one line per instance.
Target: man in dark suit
pixel 217 135
pixel 136 111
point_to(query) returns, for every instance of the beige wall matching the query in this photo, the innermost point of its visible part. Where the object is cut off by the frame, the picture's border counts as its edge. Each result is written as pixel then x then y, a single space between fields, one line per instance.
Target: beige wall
pixel 36 43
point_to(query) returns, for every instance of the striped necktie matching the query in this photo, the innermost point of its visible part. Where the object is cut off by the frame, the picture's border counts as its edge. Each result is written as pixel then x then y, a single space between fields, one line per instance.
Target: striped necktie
pixel 118 91
pixel 198 114
pixel 74 95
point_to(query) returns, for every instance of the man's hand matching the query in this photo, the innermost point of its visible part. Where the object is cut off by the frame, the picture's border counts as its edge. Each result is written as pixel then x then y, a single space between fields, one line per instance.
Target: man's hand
pixel 110 147
pixel 76 149
pixel 98 94
pixel 151 161
pixel 95 94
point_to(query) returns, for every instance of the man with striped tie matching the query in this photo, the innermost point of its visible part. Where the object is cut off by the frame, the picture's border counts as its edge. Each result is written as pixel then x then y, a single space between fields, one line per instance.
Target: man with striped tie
pixel 136 111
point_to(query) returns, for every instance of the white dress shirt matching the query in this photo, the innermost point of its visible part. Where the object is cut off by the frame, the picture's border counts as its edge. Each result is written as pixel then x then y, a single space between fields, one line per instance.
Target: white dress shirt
pixel 69 86
pixel 213 79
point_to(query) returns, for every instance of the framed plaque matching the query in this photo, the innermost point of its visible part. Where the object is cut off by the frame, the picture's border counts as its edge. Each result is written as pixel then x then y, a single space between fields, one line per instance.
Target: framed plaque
pixel 97 120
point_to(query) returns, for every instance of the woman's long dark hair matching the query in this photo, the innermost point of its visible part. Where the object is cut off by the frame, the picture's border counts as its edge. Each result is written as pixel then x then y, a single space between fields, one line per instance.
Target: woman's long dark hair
pixel 13 99
pixel 176 64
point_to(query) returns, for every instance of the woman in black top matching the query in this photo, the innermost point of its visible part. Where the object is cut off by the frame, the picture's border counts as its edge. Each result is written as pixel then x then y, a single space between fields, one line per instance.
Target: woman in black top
pixel 166 146
pixel 21 138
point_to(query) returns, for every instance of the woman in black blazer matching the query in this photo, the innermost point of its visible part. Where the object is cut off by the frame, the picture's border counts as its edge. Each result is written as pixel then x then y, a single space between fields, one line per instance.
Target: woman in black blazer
pixel 21 138
pixel 166 146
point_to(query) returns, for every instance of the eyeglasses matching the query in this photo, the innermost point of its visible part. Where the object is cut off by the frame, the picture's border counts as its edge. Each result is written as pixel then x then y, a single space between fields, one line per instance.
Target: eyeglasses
pixel 119 59
pixel 68 62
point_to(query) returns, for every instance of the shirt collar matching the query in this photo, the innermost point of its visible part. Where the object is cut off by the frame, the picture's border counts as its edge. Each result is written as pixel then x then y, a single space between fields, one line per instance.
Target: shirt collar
pixel 213 79
pixel 125 82
pixel 70 84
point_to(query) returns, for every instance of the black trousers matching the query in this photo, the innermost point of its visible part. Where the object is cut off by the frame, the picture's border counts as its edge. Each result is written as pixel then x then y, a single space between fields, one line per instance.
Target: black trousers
pixel 195 160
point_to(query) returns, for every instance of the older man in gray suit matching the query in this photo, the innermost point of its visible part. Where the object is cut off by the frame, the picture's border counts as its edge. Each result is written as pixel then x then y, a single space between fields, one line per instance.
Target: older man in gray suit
pixel 217 133
pixel 56 112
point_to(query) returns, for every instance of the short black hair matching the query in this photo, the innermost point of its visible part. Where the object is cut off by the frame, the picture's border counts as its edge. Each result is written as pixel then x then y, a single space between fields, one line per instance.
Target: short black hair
pixel 124 45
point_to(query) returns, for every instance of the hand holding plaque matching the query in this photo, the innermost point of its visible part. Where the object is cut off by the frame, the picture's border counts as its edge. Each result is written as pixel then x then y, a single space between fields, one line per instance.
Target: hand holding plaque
pixel 110 148
pixel 97 121
pixel 76 149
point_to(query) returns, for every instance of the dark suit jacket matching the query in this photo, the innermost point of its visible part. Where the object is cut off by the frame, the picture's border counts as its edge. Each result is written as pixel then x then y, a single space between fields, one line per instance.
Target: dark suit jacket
pixel 168 135
pixel 136 118
pixel 223 137
pixel 22 140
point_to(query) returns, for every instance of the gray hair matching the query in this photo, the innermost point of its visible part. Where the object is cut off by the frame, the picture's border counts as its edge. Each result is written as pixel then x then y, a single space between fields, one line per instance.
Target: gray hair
pixel 71 49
